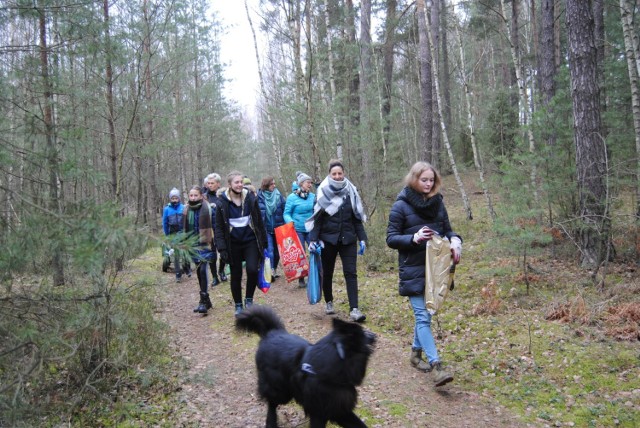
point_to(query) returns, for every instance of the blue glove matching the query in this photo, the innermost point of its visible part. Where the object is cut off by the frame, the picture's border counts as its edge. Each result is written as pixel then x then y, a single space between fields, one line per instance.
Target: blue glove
pixel 363 246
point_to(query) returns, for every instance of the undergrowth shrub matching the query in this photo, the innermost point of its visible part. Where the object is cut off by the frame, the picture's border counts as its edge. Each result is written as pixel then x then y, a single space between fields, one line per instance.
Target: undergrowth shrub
pixel 73 351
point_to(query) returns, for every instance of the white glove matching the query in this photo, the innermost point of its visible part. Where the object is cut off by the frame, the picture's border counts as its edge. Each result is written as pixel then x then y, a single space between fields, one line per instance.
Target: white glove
pixel 422 235
pixel 456 248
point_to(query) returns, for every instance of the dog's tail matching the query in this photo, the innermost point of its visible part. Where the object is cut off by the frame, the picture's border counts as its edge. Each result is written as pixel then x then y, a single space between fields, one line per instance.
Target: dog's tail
pixel 259 319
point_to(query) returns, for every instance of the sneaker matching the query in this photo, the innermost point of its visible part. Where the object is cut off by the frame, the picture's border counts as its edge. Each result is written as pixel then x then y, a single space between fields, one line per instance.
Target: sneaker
pixel 178 280
pixel 440 376
pixel 356 315
pixel 248 302
pixel 222 276
pixel 238 309
pixel 329 310
pixel 301 283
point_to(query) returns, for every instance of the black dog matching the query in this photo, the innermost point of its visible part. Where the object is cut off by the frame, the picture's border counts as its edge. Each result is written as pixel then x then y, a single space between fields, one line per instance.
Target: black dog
pixel 321 377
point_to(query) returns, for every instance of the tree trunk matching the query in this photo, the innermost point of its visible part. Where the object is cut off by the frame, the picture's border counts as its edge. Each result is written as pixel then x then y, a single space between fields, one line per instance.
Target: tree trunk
pixel 148 131
pixel 273 135
pixel 472 135
pixel 591 156
pixel 388 57
pixel 522 91
pixel 435 63
pixel 446 80
pixel 108 79
pixel 445 137
pixel 626 16
pixel 332 82
pixel 426 95
pixel 51 150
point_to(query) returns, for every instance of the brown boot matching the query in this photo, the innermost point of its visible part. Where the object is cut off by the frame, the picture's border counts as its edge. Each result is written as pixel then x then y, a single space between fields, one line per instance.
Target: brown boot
pixel 440 376
pixel 417 361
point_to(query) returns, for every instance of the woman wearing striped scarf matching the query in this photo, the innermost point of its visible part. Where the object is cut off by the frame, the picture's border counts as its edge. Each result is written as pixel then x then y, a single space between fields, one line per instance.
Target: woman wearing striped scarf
pixel 337 226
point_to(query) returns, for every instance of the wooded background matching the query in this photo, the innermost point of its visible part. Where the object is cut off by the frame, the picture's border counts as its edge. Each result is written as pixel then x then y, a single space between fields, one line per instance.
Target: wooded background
pixel 108 105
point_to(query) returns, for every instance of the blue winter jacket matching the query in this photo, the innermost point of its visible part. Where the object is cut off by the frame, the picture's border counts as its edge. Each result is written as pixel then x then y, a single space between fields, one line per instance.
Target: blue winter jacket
pixel 298 210
pixel 409 214
pixel 277 219
pixel 172 219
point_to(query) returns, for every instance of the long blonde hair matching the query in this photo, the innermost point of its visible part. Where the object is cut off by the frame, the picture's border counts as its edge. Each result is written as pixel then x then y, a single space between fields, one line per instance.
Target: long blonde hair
pixel 413 177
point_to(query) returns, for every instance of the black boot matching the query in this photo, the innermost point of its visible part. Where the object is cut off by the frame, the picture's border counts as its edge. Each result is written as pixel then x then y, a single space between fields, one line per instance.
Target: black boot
pixel 205 303
pixel 215 281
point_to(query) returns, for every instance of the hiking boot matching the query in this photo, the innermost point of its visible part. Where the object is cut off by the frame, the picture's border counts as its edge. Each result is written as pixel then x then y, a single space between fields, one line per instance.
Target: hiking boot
pixel 204 305
pixel 417 361
pixel 440 376
pixel 215 281
pixel 248 302
pixel 356 315
pixel 222 276
pixel 238 309
pixel 329 309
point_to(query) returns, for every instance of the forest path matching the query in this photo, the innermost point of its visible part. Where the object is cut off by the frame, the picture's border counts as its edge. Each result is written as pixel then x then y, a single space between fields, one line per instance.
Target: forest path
pixel 220 388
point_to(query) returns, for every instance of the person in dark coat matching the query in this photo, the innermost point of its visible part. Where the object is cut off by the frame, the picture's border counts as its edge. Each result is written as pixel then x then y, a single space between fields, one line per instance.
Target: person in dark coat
pixel 272 205
pixel 337 226
pixel 212 184
pixel 197 221
pixel 417 214
pixel 240 237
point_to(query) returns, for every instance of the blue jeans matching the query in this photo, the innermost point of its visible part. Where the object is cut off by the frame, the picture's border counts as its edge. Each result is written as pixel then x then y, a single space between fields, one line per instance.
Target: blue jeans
pixel 272 250
pixel 422 336
pixel 303 237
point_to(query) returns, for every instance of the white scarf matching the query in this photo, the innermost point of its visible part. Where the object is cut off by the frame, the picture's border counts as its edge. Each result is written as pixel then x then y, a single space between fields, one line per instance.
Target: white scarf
pixel 330 198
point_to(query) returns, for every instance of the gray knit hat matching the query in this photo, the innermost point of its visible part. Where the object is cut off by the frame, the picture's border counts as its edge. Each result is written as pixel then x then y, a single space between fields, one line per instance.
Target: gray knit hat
pixel 302 177
pixel 174 192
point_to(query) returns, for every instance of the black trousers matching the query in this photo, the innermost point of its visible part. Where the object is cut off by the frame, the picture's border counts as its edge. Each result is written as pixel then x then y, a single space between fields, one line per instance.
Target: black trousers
pixel 349 257
pixel 244 252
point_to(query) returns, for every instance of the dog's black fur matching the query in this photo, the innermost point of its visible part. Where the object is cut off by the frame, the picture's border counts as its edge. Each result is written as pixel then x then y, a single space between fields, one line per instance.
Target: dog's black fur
pixel 321 377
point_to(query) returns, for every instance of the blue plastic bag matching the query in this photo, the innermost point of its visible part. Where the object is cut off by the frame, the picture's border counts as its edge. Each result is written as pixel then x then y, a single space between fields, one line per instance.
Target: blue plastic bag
pixel 264 273
pixel 314 291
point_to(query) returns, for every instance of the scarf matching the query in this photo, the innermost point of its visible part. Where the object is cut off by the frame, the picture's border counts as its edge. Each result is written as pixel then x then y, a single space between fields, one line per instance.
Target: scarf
pixel 271 200
pixel 204 221
pixel 330 198
pixel 425 207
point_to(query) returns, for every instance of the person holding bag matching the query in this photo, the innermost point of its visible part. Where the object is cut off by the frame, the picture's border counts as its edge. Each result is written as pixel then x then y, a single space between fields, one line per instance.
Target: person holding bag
pixel 417 214
pixel 337 227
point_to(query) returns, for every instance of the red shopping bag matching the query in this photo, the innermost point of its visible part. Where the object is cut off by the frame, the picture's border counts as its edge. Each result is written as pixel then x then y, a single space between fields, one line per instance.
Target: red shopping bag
pixel 292 256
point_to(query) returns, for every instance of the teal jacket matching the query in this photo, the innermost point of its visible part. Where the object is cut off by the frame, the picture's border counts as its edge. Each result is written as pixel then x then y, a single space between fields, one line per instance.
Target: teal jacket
pixel 298 209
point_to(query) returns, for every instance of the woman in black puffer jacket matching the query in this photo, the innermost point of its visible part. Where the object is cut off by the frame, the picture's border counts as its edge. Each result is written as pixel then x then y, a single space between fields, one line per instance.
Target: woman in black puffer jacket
pixel 417 214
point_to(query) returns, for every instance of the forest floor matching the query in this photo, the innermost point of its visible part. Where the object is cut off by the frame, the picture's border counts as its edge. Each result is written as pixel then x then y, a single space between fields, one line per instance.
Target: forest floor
pixel 220 389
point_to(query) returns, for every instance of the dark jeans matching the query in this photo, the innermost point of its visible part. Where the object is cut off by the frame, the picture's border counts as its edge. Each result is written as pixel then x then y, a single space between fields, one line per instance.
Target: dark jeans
pixel 349 257
pixel 247 252
pixel 201 261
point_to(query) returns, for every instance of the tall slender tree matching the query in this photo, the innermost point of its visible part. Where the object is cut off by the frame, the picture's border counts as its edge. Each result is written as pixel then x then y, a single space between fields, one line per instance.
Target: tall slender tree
pixel 591 155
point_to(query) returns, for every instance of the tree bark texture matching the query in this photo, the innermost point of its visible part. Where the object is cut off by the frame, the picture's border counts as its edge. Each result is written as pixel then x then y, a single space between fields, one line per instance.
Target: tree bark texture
pixel 591 157
pixel 426 95
pixel 626 16
pixel 51 150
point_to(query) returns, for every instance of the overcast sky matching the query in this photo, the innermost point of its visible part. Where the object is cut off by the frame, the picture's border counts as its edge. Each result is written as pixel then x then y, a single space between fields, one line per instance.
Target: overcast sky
pixel 237 51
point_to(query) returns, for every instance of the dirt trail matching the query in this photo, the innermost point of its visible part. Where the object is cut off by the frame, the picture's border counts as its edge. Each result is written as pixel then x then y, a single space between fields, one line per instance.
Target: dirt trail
pixel 220 389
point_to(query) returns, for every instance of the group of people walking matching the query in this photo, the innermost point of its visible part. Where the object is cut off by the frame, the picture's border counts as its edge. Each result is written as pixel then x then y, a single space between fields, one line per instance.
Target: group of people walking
pixel 236 225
